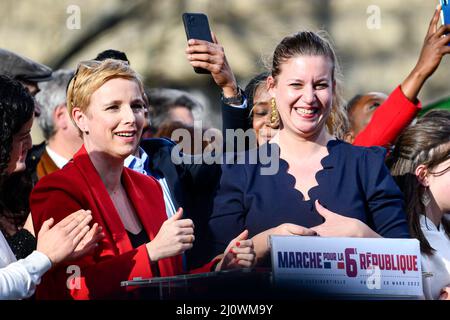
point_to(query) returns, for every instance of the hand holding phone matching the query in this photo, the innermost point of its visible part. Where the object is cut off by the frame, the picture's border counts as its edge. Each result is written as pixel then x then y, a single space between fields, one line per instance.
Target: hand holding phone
pixel 445 11
pixel 197 27
pixel 210 56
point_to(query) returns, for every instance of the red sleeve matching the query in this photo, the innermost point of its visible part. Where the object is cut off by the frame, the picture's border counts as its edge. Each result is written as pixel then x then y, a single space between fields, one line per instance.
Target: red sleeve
pixel 209 267
pixel 86 278
pixel 395 114
pixel 96 275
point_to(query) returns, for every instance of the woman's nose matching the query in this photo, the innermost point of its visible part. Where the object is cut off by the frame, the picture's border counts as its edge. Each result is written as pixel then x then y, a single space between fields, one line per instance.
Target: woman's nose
pixel 308 95
pixel 128 115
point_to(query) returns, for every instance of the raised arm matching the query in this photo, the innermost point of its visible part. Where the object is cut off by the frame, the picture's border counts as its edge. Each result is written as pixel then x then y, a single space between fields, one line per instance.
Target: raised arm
pixel 434 48
pixel 402 105
pixel 211 56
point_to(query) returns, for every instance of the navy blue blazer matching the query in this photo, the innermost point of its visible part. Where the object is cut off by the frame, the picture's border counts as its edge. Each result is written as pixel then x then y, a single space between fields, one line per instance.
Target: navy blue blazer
pixel 354 182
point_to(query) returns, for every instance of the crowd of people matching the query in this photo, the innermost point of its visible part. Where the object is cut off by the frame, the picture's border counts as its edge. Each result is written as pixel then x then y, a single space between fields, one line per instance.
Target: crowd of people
pixel 103 194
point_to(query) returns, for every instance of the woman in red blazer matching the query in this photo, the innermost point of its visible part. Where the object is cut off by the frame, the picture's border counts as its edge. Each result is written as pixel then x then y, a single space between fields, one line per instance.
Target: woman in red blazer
pixel 106 101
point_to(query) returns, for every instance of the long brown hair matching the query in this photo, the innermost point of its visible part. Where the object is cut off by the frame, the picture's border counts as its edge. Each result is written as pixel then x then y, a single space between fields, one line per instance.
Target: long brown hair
pixel 16 109
pixel 425 143
pixel 308 43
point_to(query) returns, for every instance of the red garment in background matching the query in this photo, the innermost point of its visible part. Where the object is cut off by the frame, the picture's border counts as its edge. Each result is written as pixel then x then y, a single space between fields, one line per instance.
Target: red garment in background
pixel 388 120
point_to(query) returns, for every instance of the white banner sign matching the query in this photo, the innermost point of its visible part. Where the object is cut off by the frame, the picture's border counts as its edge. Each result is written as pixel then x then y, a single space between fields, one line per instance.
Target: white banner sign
pixel 348 266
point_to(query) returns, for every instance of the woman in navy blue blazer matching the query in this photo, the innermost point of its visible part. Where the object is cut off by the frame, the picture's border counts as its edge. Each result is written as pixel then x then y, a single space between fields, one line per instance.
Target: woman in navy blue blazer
pixel 323 186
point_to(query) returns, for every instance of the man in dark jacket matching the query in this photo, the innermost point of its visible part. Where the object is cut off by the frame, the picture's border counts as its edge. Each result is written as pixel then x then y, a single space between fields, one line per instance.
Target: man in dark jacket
pixel 191 184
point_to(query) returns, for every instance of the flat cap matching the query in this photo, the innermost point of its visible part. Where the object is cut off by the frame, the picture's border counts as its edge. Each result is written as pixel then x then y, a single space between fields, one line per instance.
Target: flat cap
pixel 22 68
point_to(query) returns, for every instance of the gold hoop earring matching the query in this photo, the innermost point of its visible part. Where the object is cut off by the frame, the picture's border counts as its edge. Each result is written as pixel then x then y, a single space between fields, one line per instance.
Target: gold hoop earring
pixel 273 112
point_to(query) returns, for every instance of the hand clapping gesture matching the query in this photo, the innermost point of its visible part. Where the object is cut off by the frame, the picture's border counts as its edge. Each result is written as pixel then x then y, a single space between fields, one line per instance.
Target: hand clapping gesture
pixel 70 238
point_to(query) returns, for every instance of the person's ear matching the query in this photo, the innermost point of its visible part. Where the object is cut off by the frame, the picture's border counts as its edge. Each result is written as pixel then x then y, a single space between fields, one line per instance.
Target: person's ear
pixel 422 175
pixel 270 83
pixel 60 116
pixel 80 119
pixel 349 137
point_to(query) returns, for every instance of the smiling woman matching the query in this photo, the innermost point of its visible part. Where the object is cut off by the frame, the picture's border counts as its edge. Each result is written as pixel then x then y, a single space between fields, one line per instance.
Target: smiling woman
pixel 314 165
pixel 114 119
pixel 106 101
pixel 70 238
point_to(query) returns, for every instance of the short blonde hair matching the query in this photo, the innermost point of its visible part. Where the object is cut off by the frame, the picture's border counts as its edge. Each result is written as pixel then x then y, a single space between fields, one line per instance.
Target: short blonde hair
pixel 91 75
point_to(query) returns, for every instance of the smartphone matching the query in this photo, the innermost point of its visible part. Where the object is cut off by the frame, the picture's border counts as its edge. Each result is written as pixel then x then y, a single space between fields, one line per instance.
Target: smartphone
pixel 445 12
pixel 197 27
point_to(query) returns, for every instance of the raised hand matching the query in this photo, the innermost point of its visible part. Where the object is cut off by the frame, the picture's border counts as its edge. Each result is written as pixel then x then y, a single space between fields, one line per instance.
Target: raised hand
pixel 434 48
pixel 238 254
pixel 435 45
pixel 211 56
pixel 175 236
pixel 336 225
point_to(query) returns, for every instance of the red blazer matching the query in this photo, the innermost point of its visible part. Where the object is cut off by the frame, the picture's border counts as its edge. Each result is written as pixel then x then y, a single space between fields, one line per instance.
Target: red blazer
pixel 388 120
pixel 79 186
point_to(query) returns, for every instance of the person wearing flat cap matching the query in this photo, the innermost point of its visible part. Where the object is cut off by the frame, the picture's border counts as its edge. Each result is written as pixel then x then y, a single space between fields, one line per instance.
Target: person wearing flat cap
pixel 25 70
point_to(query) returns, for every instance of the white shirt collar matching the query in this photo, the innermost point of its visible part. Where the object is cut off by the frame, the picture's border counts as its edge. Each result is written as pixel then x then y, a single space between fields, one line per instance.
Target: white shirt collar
pixel 427 225
pixel 60 161
pixel 137 163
